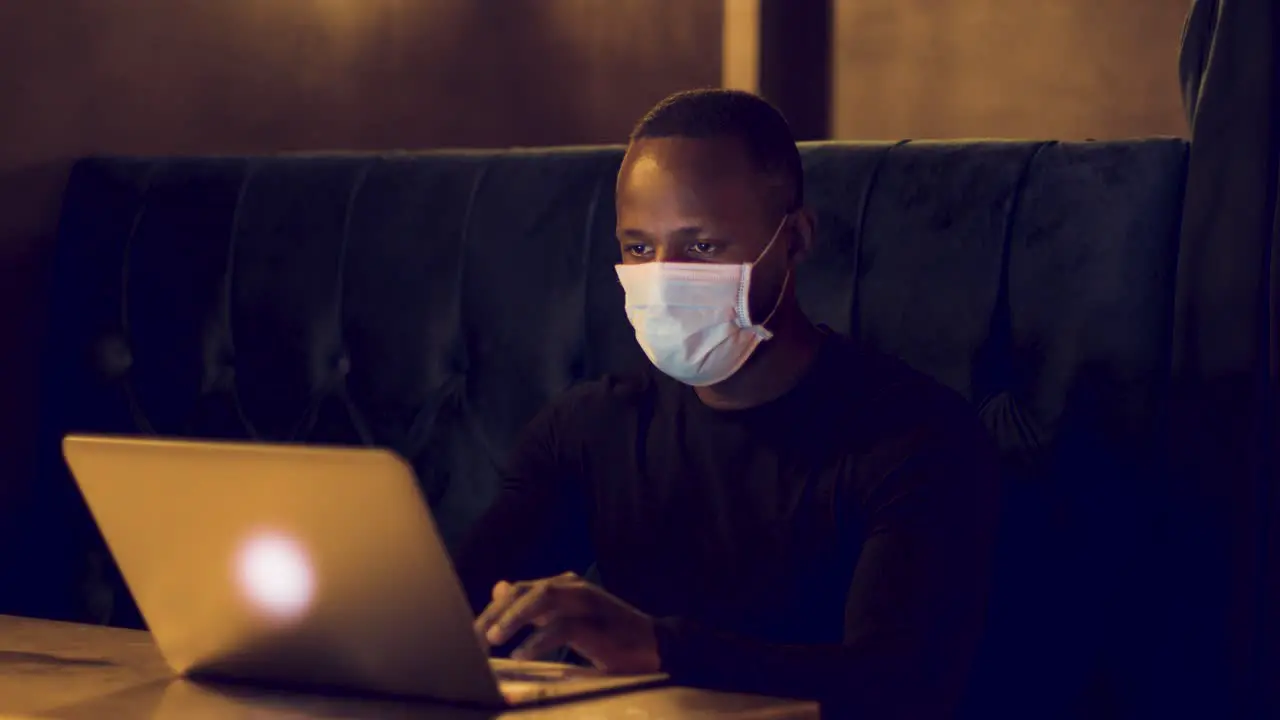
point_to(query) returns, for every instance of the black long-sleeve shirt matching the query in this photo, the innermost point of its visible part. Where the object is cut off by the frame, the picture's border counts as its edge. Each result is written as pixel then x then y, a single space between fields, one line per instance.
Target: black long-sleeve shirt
pixel 832 544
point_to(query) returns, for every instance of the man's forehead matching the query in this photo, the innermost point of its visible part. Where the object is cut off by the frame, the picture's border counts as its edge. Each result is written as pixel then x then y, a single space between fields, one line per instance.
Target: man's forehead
pixel 685 159
pixel 688 172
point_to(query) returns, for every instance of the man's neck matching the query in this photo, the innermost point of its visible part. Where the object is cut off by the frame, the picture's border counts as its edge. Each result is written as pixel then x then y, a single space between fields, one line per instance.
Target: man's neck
pixel 775 368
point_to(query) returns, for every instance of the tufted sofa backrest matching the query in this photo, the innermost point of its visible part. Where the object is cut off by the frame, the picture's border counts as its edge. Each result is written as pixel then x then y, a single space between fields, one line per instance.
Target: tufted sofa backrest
pixel 433 302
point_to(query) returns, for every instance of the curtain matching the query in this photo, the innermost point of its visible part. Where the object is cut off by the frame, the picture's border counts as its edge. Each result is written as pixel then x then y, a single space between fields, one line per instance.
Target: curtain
pixel 1225 367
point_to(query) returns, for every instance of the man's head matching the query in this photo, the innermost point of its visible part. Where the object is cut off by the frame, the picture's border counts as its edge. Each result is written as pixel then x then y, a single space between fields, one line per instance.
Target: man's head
pixel 710 176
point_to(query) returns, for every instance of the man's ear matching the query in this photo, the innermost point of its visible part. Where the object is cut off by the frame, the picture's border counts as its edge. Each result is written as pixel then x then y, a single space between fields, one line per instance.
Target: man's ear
pixel 801 238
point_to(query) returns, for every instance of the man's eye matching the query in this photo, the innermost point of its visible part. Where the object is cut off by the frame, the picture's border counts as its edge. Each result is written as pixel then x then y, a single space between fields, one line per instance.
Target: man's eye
pixel 636 250
pixel 702 248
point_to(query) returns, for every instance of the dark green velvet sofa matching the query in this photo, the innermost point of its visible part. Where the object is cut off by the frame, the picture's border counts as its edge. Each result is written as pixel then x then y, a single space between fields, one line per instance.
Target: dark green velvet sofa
pixel 433 302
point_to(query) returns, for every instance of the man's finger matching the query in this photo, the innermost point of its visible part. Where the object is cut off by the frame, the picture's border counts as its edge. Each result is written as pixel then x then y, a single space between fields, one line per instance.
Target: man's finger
pixel 537 602
pixel 504 594
pixel 501 589
pixel 544 642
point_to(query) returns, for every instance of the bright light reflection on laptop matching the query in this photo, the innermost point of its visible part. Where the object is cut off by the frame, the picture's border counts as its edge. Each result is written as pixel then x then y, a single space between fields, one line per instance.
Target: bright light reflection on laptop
pixel 275 575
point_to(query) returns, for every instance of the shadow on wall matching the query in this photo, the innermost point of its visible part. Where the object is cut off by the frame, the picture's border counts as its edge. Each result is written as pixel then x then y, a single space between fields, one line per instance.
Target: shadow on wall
pixel 26 251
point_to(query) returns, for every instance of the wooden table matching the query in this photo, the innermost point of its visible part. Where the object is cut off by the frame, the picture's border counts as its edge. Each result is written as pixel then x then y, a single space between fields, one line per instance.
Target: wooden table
pixel 54 670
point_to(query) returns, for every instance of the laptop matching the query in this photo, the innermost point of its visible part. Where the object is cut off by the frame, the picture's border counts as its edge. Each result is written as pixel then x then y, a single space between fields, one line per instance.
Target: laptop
pixel 302 567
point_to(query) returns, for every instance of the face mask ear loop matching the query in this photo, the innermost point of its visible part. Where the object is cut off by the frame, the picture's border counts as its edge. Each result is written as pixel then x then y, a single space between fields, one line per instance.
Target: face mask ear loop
pixel 776 232
pixel 761 329
pixel 744 289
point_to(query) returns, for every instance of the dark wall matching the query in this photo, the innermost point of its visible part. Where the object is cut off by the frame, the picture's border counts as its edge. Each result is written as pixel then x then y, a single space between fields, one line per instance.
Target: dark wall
pixel 248 76
pixel 1061 69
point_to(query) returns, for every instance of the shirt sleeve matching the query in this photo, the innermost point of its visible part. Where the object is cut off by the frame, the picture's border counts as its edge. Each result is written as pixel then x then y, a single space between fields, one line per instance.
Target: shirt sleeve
pixel 535 527
pixel 915 608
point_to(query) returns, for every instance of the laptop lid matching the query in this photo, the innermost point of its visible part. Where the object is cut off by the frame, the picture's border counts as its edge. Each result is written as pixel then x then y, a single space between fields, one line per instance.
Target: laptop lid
pixel 297 565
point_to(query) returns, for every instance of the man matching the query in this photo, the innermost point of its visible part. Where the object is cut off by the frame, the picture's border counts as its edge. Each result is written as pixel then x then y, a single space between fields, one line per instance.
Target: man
pixel 775 510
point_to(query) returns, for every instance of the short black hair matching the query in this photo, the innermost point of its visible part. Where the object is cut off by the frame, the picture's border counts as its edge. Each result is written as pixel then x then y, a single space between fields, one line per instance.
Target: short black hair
pixel 750 119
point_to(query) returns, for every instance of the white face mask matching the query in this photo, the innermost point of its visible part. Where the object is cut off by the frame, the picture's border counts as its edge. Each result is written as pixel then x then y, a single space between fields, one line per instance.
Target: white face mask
pixel 693 319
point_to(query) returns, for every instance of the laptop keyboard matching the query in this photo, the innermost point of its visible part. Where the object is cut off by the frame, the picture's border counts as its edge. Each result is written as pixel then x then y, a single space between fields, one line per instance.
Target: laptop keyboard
pixel 538 672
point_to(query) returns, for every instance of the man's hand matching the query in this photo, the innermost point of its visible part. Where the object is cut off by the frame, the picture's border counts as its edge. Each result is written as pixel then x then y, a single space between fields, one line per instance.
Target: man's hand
pixel 568 611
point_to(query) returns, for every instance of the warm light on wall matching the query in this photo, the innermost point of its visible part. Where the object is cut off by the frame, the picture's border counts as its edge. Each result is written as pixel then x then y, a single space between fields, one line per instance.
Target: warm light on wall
pixel 319 42
pixel 342 12
pixel 338 19
pixel 740 43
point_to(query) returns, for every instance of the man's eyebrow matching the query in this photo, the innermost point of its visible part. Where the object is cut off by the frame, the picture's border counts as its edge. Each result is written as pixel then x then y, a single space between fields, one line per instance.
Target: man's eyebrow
pixel 636 234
